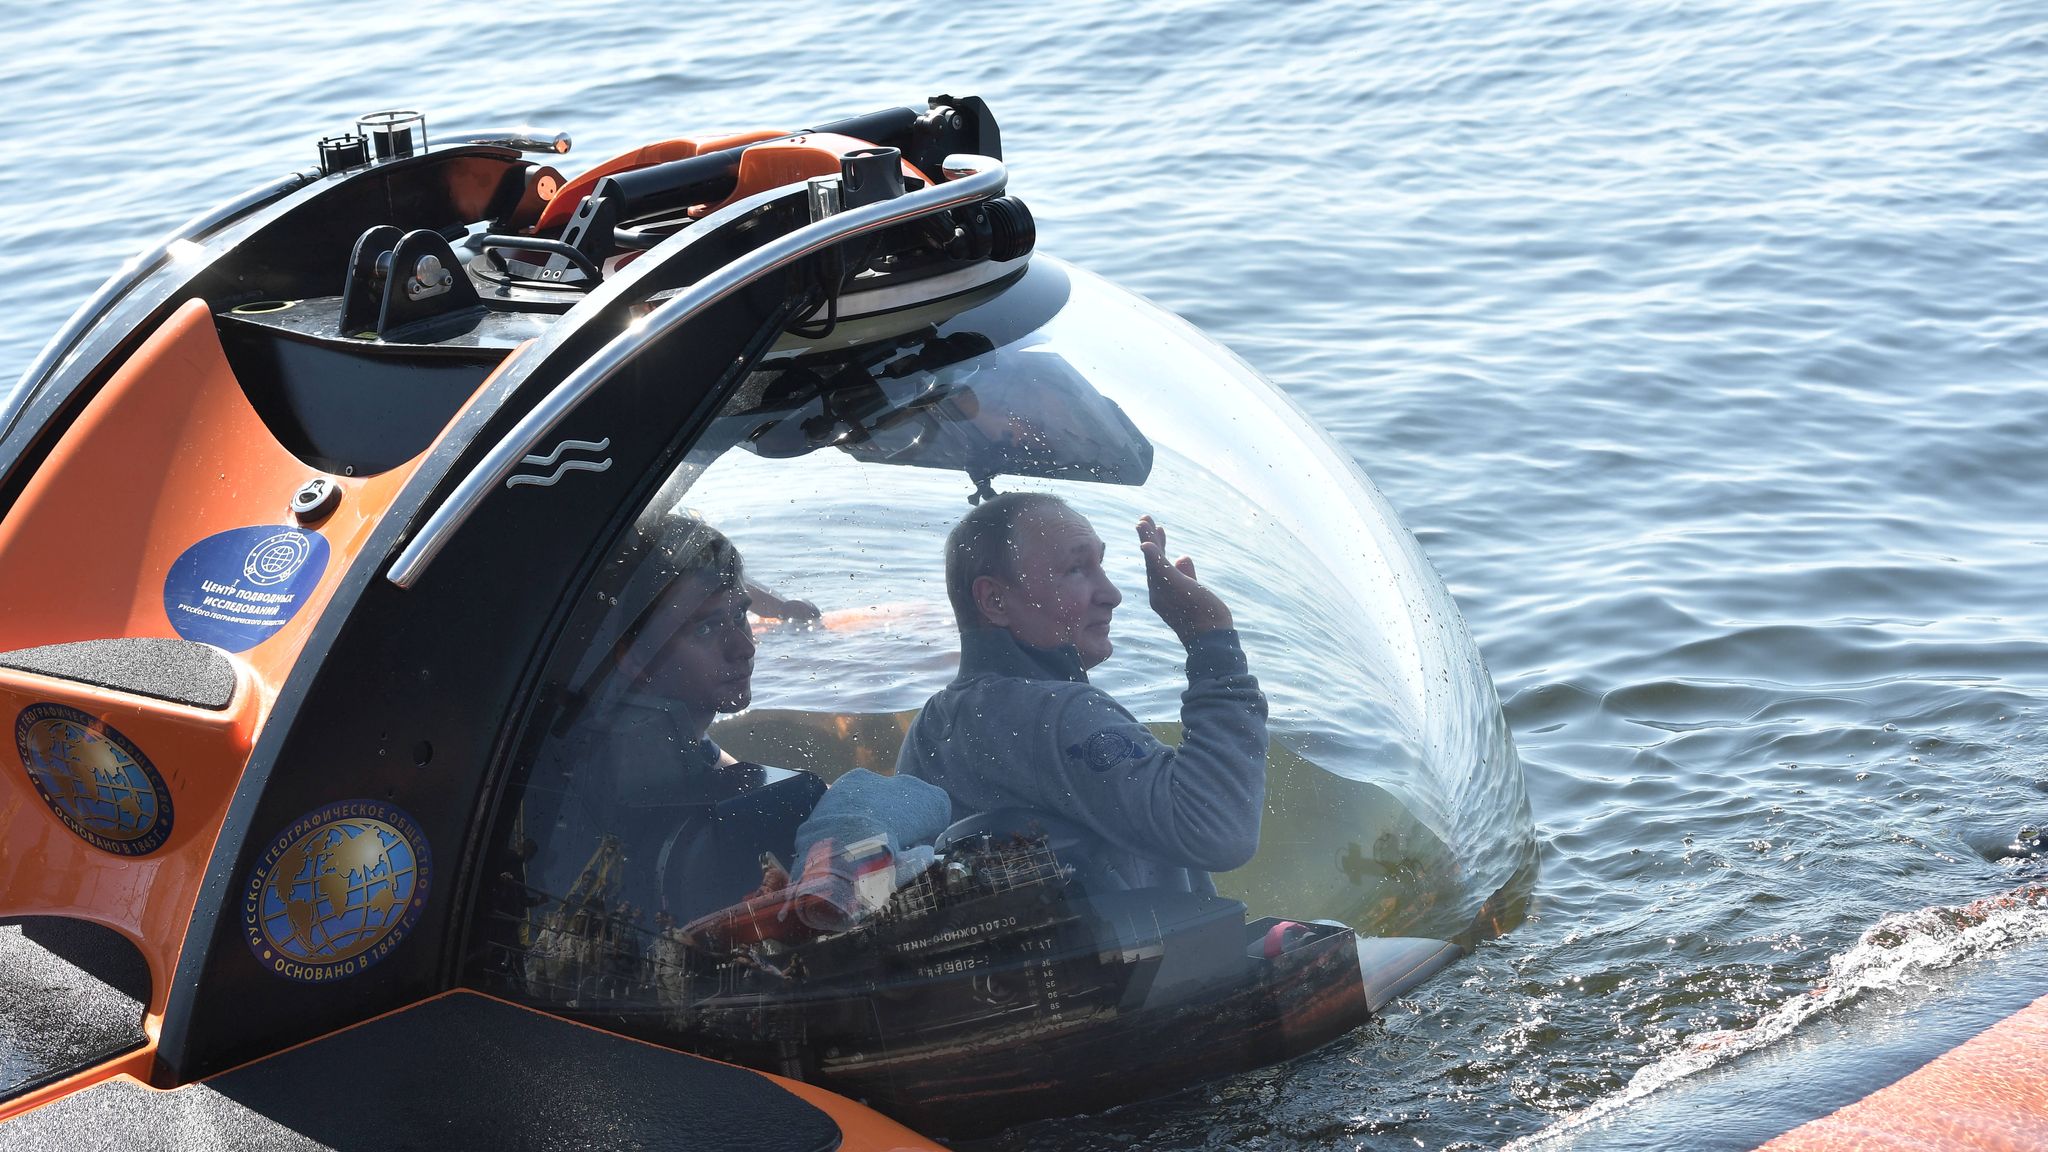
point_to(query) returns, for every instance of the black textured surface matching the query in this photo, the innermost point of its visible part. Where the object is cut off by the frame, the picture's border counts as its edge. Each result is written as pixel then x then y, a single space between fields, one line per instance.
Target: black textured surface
pixel 176 670
pixel 71 996
pixel 459 1072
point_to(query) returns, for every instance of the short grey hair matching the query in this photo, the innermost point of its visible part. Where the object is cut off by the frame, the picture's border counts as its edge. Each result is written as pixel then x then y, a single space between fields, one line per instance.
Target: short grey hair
pixel 984 543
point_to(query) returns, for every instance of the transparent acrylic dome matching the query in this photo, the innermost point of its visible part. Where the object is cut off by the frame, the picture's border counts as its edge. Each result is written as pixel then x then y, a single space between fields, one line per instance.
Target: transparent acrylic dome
pixel 665 828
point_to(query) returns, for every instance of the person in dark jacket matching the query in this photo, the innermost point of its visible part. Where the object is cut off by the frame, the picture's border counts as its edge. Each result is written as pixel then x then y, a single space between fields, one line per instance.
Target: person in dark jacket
pixel 1021 727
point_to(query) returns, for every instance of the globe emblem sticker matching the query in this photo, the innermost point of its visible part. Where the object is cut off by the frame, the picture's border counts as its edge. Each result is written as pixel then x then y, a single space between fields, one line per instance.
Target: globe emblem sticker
pixel 336 891
pixel 95 779
pixel 278 558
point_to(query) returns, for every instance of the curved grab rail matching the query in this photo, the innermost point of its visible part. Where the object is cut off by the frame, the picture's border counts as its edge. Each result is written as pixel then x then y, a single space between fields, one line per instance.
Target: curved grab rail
pixel 969 179
pixel 139 268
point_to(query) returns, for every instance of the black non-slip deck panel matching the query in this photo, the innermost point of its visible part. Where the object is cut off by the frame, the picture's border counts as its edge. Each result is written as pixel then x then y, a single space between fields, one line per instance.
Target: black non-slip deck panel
pixel 460 1072
pixel 71 996
pixel 179 671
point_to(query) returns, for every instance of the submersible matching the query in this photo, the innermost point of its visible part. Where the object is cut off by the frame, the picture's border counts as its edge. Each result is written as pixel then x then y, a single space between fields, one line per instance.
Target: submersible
pixel 324 530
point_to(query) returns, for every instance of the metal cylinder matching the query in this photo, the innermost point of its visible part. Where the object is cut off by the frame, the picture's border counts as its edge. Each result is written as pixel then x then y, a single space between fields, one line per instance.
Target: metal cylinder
pixel 870 176
pixel 340 153
pixel 1012 232
pixel 823 192
pixel 395 133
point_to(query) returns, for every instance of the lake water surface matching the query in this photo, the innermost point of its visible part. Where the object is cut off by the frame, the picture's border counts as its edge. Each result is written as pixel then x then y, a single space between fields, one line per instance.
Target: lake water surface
pixel 1703 345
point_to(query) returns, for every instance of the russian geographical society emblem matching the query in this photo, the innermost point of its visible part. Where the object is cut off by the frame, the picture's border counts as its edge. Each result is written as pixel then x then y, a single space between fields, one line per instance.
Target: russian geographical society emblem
pixel 336 891
pixel 95 779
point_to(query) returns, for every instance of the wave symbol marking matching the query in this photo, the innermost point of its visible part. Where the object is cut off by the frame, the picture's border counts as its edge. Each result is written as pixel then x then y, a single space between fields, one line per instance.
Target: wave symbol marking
pixel 566 466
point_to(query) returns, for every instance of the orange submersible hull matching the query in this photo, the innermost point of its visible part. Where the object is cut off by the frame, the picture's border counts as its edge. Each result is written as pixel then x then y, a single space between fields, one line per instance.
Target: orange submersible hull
pixel 354 802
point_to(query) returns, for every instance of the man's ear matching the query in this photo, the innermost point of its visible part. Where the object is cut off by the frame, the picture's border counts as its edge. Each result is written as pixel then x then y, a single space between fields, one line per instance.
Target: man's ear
pixel 992 598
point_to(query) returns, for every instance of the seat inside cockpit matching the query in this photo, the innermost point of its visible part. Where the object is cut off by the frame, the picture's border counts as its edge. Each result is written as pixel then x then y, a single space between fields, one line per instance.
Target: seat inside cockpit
pixel 658 876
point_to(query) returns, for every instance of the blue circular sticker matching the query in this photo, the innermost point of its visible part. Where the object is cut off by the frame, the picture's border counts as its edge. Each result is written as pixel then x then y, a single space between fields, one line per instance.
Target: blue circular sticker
pixel 236 588
pixel 336 891
pixel 95 779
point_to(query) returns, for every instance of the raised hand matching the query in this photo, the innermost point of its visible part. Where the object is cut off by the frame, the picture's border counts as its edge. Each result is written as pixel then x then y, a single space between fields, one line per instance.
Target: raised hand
pixel 1180 600
pixel 769 606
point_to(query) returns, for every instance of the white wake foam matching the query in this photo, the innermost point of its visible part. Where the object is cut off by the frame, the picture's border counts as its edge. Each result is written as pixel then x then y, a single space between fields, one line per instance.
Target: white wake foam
pixel 1893 953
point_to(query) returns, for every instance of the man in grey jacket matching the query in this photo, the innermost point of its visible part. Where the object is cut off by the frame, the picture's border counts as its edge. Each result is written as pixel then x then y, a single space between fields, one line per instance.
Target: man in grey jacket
pixel 1021 727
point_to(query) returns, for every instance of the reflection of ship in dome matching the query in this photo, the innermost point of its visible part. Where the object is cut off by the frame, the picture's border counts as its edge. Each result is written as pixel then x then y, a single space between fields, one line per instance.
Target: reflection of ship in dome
pixel 412 413
pixel 920 1000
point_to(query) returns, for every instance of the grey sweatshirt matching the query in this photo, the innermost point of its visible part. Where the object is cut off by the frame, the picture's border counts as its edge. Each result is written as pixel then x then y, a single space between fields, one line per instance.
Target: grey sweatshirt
pixel 1022 727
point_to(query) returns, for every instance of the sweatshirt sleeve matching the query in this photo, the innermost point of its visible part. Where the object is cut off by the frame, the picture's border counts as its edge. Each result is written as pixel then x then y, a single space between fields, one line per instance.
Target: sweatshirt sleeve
pixel 1196 806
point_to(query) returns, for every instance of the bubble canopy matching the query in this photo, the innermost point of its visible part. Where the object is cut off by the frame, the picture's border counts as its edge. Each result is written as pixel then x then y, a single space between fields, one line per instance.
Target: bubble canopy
pixel 792 799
